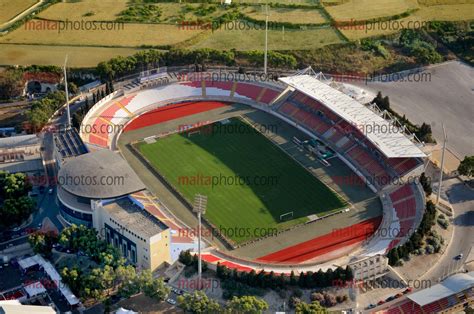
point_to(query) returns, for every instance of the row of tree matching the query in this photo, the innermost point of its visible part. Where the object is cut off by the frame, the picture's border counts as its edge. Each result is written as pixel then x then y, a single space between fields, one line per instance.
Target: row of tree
pixel 262 279
pixel 42 110
pixel 423 132
pixel 79 115
pixel 199 302
pixel 15 204
pixel 416 240
pixel 149 59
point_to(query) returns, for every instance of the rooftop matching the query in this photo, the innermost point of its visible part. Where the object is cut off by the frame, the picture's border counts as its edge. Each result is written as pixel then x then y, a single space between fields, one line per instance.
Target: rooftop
pixel 101 174
pixel 391 144
pixel 131 216
pixel 19 141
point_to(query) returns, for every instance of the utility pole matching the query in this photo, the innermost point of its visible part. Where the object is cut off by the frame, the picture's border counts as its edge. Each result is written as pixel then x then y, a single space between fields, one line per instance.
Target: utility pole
pixel 200 204
pixel 442 164
pixel 266 40
pixel 68 124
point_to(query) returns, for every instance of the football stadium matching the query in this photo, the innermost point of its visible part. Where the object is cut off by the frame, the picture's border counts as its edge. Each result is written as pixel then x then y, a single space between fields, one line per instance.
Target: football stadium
pixel 290 168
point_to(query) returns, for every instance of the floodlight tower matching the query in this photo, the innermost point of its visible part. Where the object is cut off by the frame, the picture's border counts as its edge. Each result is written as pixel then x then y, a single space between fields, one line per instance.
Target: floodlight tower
pixel 68 123
pixel 266 40
pixel 200 204
pixel 442 165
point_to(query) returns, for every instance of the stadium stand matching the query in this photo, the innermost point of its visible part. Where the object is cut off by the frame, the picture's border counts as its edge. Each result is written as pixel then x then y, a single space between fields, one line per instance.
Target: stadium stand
pixel 269 95
pixel 248 90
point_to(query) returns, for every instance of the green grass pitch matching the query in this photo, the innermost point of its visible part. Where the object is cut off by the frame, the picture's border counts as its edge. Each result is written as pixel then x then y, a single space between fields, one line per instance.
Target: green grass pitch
pixel 249 181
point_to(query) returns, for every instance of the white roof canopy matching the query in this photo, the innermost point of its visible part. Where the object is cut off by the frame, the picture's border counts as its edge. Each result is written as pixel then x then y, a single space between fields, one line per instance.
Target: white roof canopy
pixel 387 138
pixel 449 286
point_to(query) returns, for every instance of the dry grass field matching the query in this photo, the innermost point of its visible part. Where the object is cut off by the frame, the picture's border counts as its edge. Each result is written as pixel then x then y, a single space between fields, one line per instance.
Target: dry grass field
pixel 369 9
pixel 132 35
pixel 88 10
pixel 54 55
pixel 453 12
pixel 277 39
pixel 10 8
pixel 438 2
pixel 303 16
pixel 299 2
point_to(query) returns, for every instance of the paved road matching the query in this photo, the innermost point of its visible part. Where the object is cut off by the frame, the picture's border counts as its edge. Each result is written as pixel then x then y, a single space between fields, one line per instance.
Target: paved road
pixel 47 203
pixel 462 200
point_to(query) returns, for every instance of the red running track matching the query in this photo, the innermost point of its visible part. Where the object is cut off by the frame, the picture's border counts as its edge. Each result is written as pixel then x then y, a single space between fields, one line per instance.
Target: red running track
pixel 172 112
pixel 324 244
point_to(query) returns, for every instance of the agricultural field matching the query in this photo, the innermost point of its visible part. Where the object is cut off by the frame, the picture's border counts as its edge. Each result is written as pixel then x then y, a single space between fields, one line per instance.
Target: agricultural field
pixel 86 57
pixel 87 10
pixel 367 9
pixel 9 9
pixel 302 16
pixel 225 155
pixel 120 35
pixel 453 12
pixel 251 39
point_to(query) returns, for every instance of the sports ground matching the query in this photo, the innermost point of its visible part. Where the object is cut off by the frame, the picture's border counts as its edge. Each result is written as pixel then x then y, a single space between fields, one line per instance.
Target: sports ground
pixel 249 181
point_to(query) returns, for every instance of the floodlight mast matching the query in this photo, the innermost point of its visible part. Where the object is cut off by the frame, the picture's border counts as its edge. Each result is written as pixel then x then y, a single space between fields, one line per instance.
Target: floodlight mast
pixel 265 60
pixel 442 165
pixel 200 205
pixel 68 123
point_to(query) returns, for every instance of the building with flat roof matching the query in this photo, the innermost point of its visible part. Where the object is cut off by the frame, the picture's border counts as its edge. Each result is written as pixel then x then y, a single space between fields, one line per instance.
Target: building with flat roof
pixel 21 154
pixel 142 238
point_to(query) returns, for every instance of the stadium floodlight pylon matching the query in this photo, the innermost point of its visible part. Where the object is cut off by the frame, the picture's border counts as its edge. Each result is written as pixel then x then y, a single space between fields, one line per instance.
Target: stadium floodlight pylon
pixel 199 207
pixel 68 124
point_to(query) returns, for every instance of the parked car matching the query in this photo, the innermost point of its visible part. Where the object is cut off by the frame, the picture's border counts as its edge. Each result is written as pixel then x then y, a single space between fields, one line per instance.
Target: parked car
pixel 171 301
pixel 398 295
pixel 408 290
pixel 381 302
pixel 459 256
pixel 390 298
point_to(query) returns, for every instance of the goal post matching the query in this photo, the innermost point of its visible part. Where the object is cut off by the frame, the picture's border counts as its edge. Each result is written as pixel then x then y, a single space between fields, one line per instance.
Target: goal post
pixel 286 216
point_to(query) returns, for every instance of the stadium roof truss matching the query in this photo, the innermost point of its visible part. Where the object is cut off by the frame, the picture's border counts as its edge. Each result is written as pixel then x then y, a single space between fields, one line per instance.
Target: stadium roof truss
pixel 388 136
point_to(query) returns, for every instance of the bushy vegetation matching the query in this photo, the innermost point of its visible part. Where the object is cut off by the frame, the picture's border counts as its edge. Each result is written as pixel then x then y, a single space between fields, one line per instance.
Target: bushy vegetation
pixel 375 46
pixel 42 110
pixel 109 272
pixel 466 167
pixel 458 37
pixel 198 302
pixel 121 66
pixel 144 14
pixel 426 184
pixel 418 47
pixel 15 204
pixel 415 243
pixel 11 84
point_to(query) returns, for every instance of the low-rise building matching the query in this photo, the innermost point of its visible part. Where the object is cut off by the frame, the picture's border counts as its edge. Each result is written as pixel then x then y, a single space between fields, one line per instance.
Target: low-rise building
pixel 141 237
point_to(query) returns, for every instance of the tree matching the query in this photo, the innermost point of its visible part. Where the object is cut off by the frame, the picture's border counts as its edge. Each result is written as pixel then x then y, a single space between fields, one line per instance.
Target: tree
pixel 425 183
pixel 246 304
pixel 466 167
pixel 153 288
pixel 15 210
pixel 11 84
pixel 127 279
pixel 311 308
pixel 198 302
